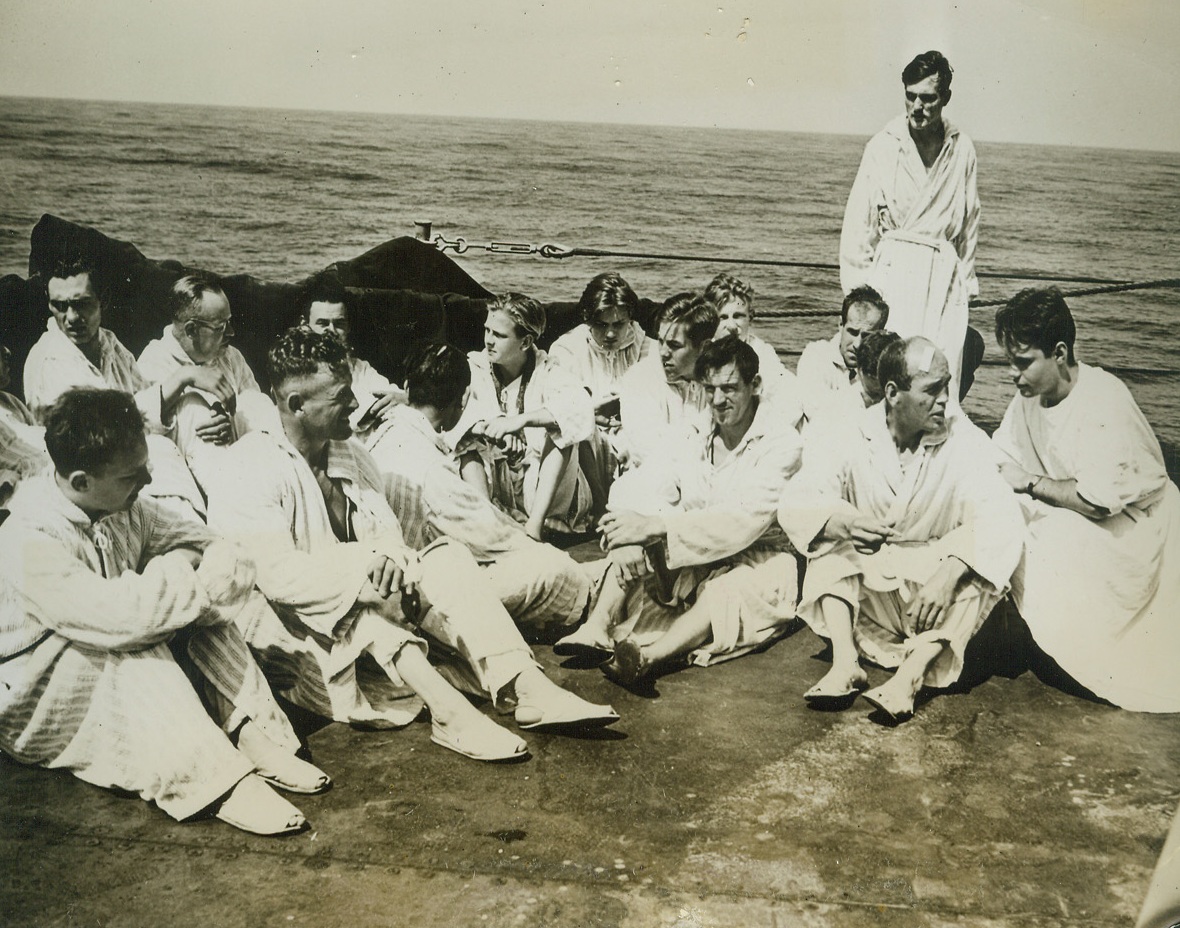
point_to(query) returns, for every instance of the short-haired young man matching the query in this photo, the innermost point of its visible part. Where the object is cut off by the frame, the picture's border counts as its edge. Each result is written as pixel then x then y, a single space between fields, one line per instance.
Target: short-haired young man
pixel 1099 586
pixel 100 588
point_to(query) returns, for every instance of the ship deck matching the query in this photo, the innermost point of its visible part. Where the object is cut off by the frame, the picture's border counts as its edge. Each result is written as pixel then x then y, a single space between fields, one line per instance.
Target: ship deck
pixel 719 799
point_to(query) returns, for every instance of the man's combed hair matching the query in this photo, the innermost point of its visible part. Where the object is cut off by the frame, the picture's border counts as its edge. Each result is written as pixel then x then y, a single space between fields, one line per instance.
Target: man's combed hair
pixel 526 313
pixel 606 292
pixel 691 310
pixel 187 292
pixel 86 429
pixel 728 350
pixel 864 295
pixel 925 64
pixel 868 352
pixel 725 288
pixel 437 375
pixel 1036 317
pixel 324 287
pixel 64 266
pixel 300 352
pixel 892 366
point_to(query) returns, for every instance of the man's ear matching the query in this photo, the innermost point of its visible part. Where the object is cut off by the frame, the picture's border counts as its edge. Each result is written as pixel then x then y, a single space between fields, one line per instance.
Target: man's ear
pixel 1061 353
pixel 891 392
pixel 756 385
pixel 946 96
pixel 293 402
pixel 79 481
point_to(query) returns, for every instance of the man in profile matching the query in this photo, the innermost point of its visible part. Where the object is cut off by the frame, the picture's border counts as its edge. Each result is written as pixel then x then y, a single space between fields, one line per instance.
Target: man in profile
pixel 101 593
pixel 912 220
pixel 910 533
pixel 827 378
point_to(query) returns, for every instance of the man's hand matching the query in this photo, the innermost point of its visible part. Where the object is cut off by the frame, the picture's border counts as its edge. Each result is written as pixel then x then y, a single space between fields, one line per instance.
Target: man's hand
pixel 607 423
pixel 385 401
pixel 192 555
pixel 631 528
pixel 866 534
pixel 502 427
pixel 631 561
pixel 217 429
pixel 930 606
pixel 1018 478
pixel 386 578
pixel 211 380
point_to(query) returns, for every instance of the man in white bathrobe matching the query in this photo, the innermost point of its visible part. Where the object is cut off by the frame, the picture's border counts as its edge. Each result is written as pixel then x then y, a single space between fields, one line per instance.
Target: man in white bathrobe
pixel 205 422
pixel 702 569
pixel 310 504
pixel 541 586
pixel 827 378
pixel 910 533
pixel 76 351
pixel 1099 586
pixel 911 224
pixel 100 595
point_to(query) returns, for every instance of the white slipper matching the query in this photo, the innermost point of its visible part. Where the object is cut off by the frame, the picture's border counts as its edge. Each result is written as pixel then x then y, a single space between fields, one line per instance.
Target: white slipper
pixel 254 807
pixel 484 740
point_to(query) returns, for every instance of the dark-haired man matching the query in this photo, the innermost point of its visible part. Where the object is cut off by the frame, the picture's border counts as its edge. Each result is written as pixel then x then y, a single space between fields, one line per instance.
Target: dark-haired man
pixel 324 308
pixel 206 421
pixel 661 402
pixel 98 585
pixel 1099 586
pixel 911 535
pixel 76 351
pixel 541 586
pixel 827 368
pixel 701 567
pixel 310 504
pixel 912 220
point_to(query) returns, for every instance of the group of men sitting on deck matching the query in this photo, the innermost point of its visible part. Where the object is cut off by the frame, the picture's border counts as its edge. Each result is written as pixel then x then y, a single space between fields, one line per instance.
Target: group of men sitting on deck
pixel 181 546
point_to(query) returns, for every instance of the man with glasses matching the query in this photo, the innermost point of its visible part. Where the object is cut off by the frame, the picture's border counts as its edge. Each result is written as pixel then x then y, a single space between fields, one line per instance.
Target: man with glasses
pixel 76 351
pixel 226 402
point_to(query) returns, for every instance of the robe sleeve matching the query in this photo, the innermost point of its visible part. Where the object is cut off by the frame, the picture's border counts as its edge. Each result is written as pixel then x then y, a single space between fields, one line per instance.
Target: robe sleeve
pixel 968 238
pixel 818 492
pixel 321 586
pixel 736 510
pixel 858 234
pixel 124 613
pixel 456 509
pixel 569 404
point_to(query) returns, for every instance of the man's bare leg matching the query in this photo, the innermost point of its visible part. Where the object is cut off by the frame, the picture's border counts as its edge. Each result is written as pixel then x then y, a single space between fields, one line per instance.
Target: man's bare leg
pixel 599 491
pixel 846 676
pixel 594 634
pixel 896 696
pixel 456 723
pixel 552 467
pixel 632 662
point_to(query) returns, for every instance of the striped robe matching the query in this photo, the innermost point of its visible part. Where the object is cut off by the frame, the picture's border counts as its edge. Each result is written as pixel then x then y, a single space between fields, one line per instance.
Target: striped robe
pixel 88 680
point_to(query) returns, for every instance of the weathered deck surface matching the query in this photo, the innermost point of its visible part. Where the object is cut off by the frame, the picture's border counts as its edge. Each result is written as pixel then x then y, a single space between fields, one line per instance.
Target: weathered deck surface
pixel 721 801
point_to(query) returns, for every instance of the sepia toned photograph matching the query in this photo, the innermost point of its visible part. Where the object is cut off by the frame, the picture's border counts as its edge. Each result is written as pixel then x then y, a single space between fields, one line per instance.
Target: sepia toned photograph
pixel 600 465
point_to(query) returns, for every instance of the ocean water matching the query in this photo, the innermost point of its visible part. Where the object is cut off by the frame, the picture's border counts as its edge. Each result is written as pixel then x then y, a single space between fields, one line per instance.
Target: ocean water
pixel 279 194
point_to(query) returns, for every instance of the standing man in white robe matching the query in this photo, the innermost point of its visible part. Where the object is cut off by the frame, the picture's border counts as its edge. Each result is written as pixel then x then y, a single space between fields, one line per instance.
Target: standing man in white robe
pixel 76 351
pixel 911 224
pixel 702 569
pixel 205 423
pixel 660 401
pixel 100 595
pixel 826 370
pixel 1099 586
pixel 540 586
pixel 910 533
pixel 310 504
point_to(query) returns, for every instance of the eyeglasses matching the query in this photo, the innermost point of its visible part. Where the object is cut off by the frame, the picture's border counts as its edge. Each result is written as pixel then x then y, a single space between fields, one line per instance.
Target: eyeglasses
pixel 224 329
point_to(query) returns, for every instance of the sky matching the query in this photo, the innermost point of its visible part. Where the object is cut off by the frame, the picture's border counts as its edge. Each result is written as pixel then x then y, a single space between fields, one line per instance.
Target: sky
pixel 1100 73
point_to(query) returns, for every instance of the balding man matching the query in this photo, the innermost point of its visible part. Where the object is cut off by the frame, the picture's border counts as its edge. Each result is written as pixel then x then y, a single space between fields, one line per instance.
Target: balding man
pixel 911 533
